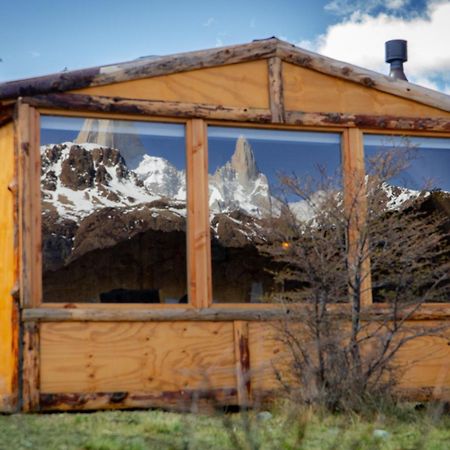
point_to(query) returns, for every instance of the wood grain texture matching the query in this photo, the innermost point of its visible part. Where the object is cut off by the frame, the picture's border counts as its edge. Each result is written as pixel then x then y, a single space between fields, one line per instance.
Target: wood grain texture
pixel 356 210
pixel 30 205
pixel 268 356
pixel 310 91
pixel 8 273
pixel 198 234
pixel 425 361
pixel 30 367
pixel 242 360
pixel 240 85
pixel 276 95
pixel 306 61
pixel 128 108
pixel 136 357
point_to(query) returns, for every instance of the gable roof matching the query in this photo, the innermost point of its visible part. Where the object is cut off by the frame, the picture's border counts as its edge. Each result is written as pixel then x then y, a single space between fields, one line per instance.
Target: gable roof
pixel 256 50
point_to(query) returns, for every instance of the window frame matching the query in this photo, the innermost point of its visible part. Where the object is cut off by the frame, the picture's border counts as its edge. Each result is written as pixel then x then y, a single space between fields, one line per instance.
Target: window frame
pixel 199 278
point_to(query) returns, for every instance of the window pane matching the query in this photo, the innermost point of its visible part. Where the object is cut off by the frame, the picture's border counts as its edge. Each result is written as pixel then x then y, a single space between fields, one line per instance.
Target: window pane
pixel 409 204
pixel 113 211
pixel 249 196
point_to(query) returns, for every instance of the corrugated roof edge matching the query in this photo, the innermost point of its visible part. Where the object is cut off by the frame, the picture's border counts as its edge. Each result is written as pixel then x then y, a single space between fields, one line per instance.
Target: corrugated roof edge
pixel 181 62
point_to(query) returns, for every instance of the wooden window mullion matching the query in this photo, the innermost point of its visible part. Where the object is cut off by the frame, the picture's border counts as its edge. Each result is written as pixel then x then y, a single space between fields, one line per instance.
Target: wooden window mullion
pixel 198 229
pixel 355 204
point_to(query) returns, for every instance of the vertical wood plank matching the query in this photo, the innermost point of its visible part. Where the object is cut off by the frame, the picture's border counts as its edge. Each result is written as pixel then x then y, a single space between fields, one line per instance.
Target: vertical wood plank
pixel 242 361
pixel 30 367
pixel 35 206
pixel 9 314
pixel 198 231
pixel 276 96
pixel 356 207
pixel 30 206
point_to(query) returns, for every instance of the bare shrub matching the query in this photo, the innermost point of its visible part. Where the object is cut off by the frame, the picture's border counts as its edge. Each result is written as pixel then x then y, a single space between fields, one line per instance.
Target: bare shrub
pixel 377 239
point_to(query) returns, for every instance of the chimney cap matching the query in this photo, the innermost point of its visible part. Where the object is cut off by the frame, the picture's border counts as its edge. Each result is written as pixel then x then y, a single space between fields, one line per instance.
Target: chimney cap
pixel 396 50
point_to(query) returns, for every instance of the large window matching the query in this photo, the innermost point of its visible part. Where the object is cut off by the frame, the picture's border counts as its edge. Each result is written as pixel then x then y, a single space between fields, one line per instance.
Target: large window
pixel 113 211
pixel 251 192
pixel 409 203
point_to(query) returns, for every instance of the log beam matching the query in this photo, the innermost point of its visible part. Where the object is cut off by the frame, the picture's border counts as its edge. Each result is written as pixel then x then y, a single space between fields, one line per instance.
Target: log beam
pixel 69 313
pixel 159 108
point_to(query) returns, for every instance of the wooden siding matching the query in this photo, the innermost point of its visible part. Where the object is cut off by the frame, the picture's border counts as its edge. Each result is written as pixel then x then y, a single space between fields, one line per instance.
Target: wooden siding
pixel 145 362
pixel 310 91
pixel 8 270
pixel 135 357
pixel 244 84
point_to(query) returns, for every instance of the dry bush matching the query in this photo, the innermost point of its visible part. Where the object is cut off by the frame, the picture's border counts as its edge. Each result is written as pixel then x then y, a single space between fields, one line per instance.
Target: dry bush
pixel 342 355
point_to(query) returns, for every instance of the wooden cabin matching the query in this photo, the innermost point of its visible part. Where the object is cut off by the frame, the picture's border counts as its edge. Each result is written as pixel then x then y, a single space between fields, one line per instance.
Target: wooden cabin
pixel 120 291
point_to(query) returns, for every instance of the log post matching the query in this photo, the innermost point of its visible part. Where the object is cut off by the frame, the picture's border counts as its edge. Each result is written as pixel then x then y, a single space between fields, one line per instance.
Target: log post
pixel 30 367
pixel 276 97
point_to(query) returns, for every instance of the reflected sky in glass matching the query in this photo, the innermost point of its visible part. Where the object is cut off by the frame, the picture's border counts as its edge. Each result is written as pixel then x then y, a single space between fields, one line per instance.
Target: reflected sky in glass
pixel 430 166
pixel 159 139
pixel 278 152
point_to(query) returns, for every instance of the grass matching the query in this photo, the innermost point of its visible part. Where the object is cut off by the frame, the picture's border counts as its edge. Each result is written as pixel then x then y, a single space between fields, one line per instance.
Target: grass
pixel 402 428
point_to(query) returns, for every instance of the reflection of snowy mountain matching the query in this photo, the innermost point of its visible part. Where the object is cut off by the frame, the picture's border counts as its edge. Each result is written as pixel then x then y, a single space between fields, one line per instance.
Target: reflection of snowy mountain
pixel 240 185
pixel 79 178
pixel 162 178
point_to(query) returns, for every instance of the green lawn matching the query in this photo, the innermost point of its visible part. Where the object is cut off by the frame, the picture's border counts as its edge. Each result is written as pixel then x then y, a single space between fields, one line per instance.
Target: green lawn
pixel 402 429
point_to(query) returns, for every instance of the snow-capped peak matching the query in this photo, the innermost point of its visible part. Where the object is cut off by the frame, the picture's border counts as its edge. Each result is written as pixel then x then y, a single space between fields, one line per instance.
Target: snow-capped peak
pixel 78 178
pixel 162 178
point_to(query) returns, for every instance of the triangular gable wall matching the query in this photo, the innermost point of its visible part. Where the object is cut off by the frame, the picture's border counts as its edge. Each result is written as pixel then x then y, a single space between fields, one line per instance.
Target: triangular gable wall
pixel 247 85
pixel 241 85
pixel 311 91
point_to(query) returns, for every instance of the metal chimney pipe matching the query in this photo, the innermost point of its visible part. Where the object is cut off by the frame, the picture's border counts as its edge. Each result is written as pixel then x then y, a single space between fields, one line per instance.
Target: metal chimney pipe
pixel 396 55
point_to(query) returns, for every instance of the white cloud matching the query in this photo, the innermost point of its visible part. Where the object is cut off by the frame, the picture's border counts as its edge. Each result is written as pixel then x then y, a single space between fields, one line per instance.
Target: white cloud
pixel 209 22
pixel 35 54
pixel 360 40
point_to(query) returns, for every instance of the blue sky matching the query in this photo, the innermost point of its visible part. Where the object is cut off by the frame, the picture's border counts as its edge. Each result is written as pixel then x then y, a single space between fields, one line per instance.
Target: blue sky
pixel 46 36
